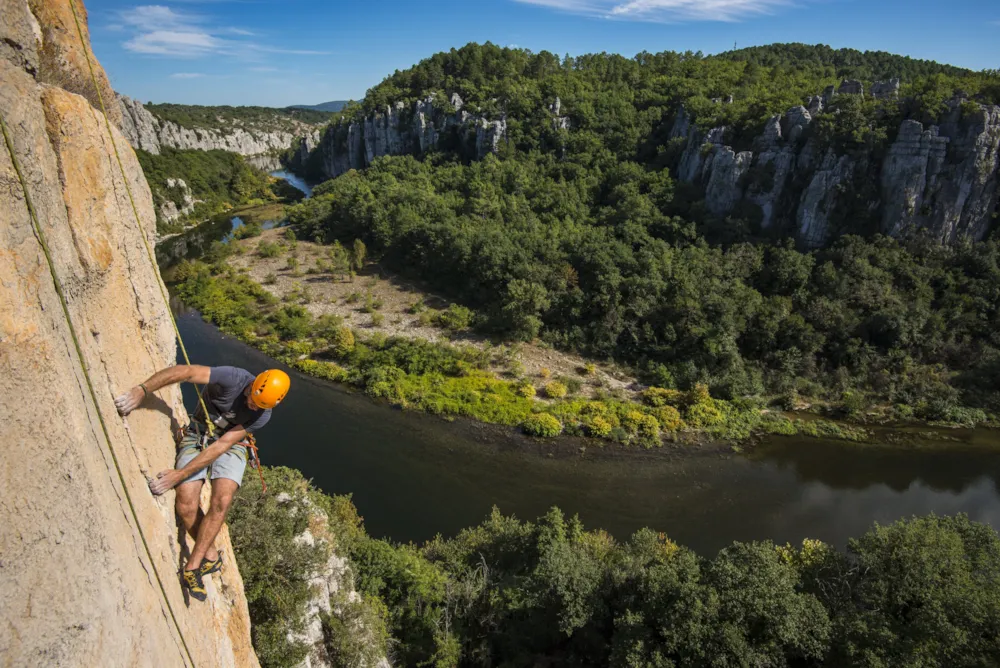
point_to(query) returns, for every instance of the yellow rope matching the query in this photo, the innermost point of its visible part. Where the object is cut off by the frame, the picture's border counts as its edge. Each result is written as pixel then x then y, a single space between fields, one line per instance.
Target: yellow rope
pixel 86 375
pixel 128 189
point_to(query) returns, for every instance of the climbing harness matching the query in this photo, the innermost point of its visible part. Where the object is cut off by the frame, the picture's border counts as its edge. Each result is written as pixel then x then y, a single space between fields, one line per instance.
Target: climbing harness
pixel 204 439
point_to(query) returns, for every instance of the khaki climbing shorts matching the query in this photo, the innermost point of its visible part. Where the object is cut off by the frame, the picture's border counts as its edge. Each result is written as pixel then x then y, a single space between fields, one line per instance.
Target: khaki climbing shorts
pixel 230 465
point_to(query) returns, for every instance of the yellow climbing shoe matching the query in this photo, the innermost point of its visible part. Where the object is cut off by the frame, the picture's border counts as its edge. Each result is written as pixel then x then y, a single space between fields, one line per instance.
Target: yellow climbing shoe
pixel 193 583
pixel 209 567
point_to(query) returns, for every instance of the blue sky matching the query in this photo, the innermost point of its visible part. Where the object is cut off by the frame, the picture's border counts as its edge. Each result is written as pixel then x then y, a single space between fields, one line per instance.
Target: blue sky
pixel 277 53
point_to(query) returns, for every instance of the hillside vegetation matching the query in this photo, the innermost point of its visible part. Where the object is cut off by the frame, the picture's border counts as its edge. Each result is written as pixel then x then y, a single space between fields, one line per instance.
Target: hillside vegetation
pixel 214 181
pixel 924 591
pixel 584 239
pixel 225 117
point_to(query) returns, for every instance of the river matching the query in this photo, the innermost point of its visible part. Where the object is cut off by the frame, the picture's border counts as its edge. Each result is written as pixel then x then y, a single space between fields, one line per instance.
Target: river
pixel 413 476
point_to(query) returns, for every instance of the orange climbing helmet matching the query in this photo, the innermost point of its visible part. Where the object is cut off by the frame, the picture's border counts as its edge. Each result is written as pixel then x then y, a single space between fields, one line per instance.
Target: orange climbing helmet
pixel 269 388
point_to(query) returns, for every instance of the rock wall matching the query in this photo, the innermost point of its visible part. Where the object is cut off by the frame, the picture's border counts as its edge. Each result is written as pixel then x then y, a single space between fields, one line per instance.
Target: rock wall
pixel 146 131
pixel 77 584
pixel 398 130
pixel 943 178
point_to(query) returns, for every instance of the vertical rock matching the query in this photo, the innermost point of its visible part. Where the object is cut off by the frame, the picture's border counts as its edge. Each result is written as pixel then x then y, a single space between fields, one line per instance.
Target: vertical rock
pixel 886 90
pixel 964 193
pixel 771 168
pixel 819 199
pixel 725 183
pixel 794 123
pixel 386 132
pixel 138 125
pixel 914 158
pixel 488 136
pixel 77 580
pixel 147 132
pixel 332 587
pixel 851 87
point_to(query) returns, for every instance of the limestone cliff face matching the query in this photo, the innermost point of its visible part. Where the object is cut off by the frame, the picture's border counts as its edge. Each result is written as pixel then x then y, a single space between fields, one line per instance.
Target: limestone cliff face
pixel 944 179
pixel 78 585
pixel 398 130
pixel 146 131
pixel 332 590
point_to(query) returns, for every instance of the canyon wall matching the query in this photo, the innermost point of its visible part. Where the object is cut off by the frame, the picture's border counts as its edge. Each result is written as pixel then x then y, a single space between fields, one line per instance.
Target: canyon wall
pixel 144 130
pixel 84 546
pixel 398 130
pixel 942 179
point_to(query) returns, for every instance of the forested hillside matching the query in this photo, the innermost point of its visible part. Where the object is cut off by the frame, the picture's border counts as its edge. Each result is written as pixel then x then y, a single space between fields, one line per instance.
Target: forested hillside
pixel 224 117
pixel 200 183
pixel 628 104
pixel 846 63
pixel 577 231
pixel 922 591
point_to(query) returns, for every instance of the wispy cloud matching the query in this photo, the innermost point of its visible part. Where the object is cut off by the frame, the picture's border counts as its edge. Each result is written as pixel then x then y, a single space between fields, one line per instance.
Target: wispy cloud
pixel 162 31
pixel 186 75
pixel 665 11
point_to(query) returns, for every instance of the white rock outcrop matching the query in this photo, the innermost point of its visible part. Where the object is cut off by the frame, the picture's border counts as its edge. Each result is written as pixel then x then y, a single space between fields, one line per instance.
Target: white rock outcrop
pixel 944 179
pixel 332 582
pixel 146 131
pixel 401 130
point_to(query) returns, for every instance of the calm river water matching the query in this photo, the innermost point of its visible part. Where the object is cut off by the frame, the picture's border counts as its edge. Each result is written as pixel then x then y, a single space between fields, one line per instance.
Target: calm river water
pixel 413 476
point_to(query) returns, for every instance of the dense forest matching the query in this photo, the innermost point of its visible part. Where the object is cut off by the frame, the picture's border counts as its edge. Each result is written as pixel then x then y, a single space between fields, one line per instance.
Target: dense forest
pixel 584 239
pixel 217 180
pixel 627 105
pixel 919 592
pixel 224 117
pixel 846 63
pixel 595 261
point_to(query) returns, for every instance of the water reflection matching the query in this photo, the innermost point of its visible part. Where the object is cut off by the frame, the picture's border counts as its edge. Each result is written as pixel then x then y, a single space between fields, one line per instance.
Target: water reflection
pixel 940 466
pixel 294 180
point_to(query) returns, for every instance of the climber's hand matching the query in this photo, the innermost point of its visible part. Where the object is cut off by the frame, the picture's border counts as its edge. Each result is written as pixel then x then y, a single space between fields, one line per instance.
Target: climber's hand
pixel 128 402
pixel 165 481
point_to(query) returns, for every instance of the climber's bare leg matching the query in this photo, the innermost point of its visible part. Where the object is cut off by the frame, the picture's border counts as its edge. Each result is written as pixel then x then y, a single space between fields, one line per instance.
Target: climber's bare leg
pixel 188 508
pixel 223 490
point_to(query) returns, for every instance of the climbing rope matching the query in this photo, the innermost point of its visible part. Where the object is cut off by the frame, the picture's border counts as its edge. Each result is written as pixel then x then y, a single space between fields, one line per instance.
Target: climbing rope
pixel 135 210
pixel 40 235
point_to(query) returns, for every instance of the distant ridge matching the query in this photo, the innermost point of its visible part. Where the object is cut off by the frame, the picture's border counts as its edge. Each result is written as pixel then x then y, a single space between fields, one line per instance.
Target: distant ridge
pixel 334 105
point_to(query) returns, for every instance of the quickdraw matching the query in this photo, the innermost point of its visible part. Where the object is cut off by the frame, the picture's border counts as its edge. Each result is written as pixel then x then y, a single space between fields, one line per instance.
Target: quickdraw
pixel 251 443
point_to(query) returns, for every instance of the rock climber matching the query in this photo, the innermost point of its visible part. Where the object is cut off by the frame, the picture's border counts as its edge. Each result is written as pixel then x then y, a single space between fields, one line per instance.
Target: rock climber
pixel 239 403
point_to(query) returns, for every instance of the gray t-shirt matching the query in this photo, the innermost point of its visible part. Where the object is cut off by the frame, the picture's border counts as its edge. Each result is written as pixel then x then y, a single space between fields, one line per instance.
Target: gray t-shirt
pixel 225 399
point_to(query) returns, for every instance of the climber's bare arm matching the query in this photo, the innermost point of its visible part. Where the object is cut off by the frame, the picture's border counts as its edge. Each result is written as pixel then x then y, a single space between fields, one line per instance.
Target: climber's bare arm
pixel 182 373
